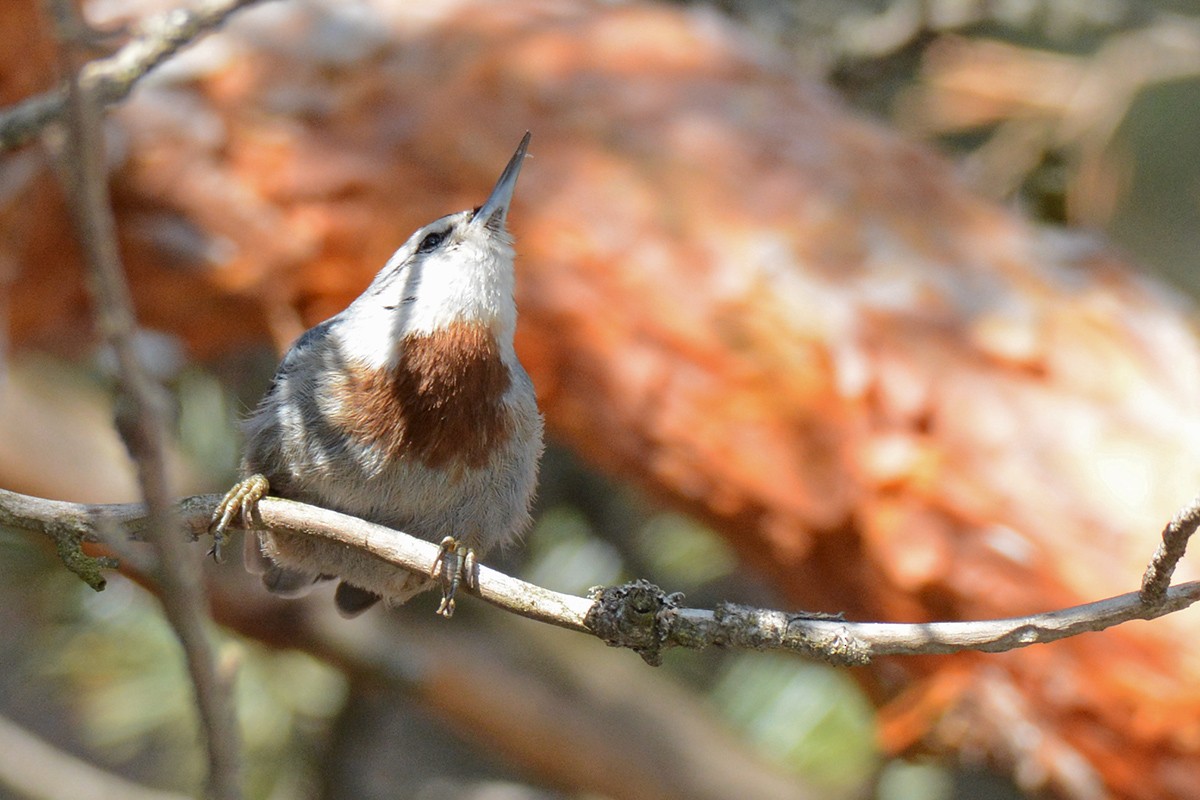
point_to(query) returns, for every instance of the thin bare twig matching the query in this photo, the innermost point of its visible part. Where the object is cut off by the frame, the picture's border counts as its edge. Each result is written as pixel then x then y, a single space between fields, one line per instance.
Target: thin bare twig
pixel 1174 543
pixel 112 79
pixel 143 427
pixel 638 615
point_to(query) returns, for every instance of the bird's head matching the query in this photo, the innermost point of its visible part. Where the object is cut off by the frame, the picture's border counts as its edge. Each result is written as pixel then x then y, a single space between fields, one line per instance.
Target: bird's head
pixel 455 271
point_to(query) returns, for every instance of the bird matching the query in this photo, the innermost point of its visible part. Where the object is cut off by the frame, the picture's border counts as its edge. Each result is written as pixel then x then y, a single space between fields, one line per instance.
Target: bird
pixel 409 409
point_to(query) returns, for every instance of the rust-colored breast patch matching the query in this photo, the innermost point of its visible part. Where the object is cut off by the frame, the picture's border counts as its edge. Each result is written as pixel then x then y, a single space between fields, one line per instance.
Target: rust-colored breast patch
pixel 440 404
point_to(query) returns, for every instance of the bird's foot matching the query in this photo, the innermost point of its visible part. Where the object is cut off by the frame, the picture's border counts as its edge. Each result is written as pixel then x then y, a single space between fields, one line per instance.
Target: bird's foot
pixel 456 563
pixel 241 500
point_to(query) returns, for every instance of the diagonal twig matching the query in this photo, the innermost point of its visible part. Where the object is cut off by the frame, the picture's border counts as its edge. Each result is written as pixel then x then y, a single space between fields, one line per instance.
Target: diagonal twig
pixel 33 767
pixel 112 79
pixel 1174 543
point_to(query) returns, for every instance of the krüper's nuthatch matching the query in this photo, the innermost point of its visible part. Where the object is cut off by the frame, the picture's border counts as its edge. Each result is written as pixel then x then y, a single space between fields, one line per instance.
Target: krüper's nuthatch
pixel 408 409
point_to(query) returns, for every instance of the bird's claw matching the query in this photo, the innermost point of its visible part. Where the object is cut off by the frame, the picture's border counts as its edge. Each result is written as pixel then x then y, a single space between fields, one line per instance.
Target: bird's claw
pixel 241 500
pixel 462 569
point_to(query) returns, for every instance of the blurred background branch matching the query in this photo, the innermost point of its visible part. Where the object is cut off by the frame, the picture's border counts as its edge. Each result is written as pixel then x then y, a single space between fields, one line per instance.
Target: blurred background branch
pixel 142 402
pixel 33 768
pixel 111 79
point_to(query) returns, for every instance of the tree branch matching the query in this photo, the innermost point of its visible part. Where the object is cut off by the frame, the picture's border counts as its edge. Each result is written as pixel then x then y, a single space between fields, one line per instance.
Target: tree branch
pixel 637 615
pixel 112 79
pixel 141 415
pixel 32 767
pixel 1175 535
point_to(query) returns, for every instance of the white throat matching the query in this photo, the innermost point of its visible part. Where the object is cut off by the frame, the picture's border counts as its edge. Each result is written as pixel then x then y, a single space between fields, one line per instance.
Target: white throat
pixel 469 282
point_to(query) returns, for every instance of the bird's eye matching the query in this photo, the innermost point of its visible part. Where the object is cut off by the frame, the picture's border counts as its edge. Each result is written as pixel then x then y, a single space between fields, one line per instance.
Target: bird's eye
pixel 431 241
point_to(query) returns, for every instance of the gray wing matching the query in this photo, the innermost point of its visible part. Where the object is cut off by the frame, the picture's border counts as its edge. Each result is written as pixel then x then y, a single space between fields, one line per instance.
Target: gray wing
pixel 286 400
pixel 265 453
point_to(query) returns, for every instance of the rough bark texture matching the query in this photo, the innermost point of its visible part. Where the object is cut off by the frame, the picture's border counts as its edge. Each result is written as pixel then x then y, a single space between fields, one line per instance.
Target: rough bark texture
pixel 894 398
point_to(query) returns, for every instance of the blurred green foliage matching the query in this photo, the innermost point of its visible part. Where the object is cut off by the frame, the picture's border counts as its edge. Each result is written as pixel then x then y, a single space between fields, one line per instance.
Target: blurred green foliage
pixel 808 716
pixel 110 661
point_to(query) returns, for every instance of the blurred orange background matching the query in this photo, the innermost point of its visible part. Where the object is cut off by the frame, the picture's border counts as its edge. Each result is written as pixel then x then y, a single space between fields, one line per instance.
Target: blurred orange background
pixel 889 382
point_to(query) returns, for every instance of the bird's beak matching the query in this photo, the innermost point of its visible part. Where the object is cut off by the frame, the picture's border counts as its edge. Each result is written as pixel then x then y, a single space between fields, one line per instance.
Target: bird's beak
pixel 495 209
